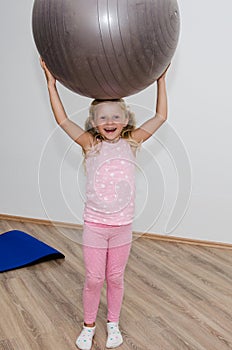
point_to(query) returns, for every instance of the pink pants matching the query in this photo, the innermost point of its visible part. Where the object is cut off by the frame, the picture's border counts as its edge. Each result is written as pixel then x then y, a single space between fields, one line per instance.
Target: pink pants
pixel 106 250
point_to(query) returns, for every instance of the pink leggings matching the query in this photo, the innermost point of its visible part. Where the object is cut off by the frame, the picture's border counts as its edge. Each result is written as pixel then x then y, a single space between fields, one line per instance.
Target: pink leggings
pixel 106 250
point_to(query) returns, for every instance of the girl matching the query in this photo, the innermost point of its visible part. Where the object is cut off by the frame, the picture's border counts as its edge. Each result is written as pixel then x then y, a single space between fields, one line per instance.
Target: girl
pixel 109 144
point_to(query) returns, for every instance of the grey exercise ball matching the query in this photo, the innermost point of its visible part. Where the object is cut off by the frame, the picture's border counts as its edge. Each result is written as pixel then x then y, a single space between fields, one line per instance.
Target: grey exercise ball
pixel 106 49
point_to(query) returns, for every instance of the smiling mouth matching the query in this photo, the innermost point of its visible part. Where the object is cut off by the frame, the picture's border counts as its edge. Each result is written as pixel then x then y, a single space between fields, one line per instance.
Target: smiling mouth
pixel 110 130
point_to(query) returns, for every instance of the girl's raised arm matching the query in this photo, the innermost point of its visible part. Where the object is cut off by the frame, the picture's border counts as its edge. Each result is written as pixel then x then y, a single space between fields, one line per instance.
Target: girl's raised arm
pixel 148 128
pixel 80 136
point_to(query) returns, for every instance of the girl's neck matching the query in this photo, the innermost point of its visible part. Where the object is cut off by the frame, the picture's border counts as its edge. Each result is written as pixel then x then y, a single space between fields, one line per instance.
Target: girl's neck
pixel 113 141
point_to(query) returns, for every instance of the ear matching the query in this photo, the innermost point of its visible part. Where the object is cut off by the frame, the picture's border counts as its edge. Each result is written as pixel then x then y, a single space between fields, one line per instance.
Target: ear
pixel 126 121
pixel 93 123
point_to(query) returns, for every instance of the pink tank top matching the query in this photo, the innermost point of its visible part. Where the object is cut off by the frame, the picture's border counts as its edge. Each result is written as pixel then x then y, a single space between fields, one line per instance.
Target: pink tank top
pixel 110 188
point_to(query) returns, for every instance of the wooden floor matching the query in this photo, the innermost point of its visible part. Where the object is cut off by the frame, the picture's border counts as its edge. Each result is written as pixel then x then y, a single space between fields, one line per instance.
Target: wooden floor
pixel 177 297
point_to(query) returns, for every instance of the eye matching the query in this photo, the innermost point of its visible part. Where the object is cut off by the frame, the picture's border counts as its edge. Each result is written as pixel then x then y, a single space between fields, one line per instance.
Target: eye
pixel 116 117
pixel 102 117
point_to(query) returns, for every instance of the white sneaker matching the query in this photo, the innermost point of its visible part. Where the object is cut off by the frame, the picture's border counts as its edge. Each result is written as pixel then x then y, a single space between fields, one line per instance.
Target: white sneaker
pixel 114 335
pixel 84 341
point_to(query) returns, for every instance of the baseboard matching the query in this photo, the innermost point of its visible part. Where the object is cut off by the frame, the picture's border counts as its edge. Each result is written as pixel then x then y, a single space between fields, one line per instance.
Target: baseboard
pixel 39 221
pixel 191 241
pixel 152 236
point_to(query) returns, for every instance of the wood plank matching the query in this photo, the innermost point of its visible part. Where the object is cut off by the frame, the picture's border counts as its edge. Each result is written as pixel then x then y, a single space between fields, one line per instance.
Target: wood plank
pixel 177 296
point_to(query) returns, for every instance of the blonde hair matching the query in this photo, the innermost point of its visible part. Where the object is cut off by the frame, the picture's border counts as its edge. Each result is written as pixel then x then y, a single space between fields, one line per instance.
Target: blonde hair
pixel 126 131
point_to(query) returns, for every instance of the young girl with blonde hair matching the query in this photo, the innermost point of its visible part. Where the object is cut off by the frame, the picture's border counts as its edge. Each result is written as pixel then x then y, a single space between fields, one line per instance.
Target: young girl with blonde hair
pixel 109 144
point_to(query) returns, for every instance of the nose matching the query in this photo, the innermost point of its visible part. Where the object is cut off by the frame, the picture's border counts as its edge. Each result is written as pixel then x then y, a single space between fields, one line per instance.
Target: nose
pixel 109 120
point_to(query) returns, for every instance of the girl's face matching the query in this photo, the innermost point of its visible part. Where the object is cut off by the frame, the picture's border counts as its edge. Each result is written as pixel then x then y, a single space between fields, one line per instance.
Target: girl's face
pixel 110 120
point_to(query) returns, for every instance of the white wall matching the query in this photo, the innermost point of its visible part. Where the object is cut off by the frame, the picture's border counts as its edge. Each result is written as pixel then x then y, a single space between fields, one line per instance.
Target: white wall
pixel 184 172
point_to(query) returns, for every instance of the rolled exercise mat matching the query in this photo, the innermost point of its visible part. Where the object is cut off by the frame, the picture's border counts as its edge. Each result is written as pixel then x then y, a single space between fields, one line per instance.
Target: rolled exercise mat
pixel 19 249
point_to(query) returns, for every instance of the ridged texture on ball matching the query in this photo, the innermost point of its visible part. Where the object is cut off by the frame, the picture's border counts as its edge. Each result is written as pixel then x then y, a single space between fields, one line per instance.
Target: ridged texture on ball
pixel 106 48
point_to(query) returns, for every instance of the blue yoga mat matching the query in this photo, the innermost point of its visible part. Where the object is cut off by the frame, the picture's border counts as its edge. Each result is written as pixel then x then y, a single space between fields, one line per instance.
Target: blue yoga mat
pixel 18 249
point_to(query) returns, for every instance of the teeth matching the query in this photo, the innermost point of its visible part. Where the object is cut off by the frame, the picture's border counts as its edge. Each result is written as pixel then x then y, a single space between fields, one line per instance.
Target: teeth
pixel 110 129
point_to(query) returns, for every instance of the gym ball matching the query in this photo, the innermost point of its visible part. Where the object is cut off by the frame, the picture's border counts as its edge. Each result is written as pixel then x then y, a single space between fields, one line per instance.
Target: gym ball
pixel 106 49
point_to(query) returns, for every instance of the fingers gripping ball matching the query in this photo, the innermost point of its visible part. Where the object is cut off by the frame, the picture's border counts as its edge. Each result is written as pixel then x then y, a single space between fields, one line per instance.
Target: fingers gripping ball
pixel 106 48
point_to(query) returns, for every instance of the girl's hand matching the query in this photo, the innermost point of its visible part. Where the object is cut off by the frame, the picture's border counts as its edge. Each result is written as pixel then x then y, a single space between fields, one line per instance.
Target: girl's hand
pixel 50 78
pixel 163 75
